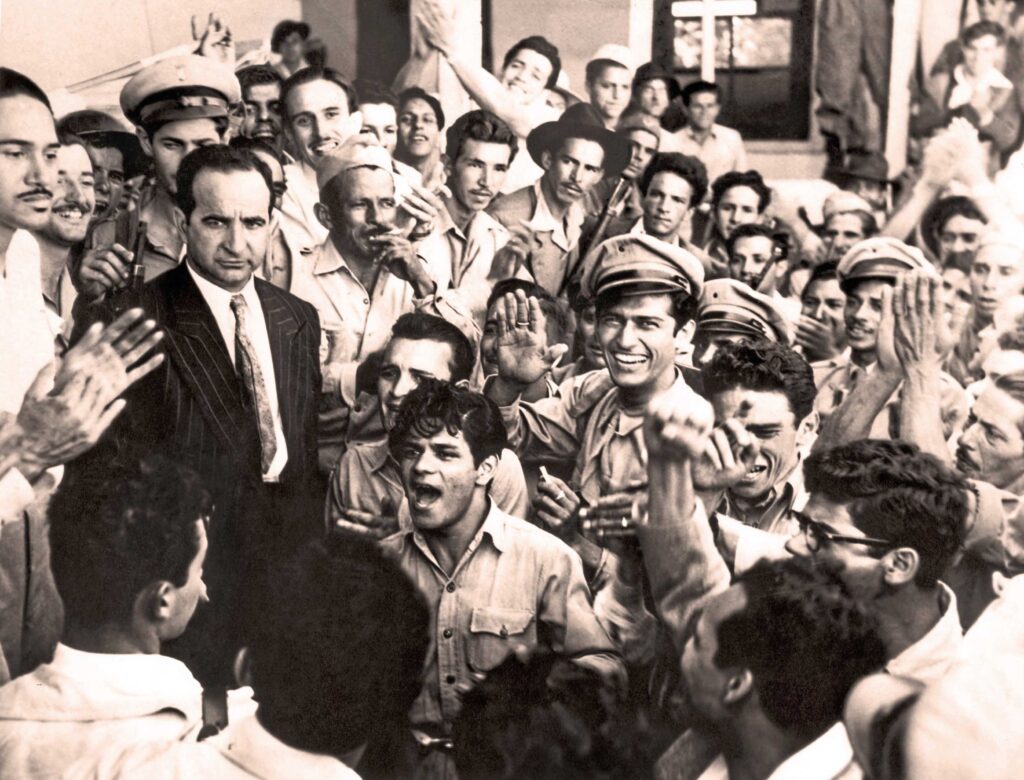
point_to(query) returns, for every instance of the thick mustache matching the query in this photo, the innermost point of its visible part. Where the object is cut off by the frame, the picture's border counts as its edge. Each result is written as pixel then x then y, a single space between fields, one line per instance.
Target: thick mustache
pixel 37 191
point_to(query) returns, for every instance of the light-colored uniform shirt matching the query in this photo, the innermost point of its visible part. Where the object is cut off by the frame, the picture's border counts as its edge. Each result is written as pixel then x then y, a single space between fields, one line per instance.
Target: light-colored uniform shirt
pixel 358 321
pixel 368 479
pixel 87 704
pixel 722 151
pixel 242 751
pixel 298 217
pixel 354 323
pixel 586 423
pixel 219 301
pixel 515 585
pixel 467 258
pixel 836 378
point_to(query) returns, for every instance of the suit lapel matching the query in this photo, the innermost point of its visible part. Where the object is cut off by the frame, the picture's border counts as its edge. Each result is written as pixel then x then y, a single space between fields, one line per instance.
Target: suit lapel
pixel 201 358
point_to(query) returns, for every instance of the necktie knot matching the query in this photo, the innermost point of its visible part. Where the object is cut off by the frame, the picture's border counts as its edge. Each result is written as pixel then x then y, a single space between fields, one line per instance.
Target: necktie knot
pixel 237 304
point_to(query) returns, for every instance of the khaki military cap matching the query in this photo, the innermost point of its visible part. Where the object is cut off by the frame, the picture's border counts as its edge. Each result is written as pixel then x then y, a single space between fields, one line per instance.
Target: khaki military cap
pixel 729 306
pixel 185 87
pixel 642 262
pixel 879 258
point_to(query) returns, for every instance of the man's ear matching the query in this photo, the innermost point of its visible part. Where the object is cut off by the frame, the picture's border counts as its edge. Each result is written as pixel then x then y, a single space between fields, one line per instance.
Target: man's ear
pixel 449 166
pixel 546 158
pixel 158 601
pixel 323 215
pixel 242 668
pixel 144 141
pixel 485 471
pixel 684 336
pixel 901 565
pixel 738 687
pixel 807 431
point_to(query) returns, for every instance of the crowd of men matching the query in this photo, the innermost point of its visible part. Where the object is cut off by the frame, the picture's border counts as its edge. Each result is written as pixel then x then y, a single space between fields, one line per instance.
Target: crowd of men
pixel 341 437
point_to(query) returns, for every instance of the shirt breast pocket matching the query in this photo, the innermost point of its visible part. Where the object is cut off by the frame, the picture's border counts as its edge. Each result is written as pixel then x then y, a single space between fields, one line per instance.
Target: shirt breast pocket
pixel 494 634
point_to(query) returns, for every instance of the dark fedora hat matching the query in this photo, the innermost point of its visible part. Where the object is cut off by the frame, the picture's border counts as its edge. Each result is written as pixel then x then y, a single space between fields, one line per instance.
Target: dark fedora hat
pixel 580 121
pixel 100 129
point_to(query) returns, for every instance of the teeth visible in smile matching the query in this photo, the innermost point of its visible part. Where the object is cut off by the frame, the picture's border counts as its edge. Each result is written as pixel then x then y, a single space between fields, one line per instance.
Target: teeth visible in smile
pixel 70 213
pixel 630 360
pixel 324 147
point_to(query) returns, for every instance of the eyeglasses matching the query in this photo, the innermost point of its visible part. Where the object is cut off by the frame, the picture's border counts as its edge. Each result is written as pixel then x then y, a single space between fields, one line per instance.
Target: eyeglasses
pixel 815 533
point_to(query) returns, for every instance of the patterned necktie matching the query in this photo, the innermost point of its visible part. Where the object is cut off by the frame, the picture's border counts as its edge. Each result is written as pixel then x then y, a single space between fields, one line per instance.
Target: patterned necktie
pixel 252 376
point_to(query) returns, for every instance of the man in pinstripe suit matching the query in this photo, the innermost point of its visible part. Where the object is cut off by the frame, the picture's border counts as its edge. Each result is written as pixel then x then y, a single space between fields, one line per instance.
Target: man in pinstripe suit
pixel 237 396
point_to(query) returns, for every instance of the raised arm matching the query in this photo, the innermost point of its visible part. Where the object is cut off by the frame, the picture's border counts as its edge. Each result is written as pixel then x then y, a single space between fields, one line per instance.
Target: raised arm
pixel 683 565
pixel 484 88
pixel 923 338
pixel 854 417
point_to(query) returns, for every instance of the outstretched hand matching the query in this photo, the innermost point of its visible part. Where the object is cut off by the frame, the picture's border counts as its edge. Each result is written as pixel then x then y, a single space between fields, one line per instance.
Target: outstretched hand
pixel 522 345
pixel 438 25
pixel 923 336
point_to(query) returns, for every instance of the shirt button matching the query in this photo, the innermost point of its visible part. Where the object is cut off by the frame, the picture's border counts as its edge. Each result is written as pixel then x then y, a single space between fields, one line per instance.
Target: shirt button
pixel 366 300
pixel 447 633
pixel 450 587
pixel 450 679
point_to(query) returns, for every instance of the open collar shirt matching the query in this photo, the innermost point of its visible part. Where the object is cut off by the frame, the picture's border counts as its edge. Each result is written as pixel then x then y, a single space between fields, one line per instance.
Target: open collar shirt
pixel 515 585
pixel 465 259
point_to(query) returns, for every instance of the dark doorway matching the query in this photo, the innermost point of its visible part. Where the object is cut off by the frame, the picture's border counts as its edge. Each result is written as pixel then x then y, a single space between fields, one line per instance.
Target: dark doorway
pixel 383 38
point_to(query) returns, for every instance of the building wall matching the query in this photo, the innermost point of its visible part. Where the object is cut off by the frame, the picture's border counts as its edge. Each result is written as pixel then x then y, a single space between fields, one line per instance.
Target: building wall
pixel 577 29
pixel 61 42
pixel 335 22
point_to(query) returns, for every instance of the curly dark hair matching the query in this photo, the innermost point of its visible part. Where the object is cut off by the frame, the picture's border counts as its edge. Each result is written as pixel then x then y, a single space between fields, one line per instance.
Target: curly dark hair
pixel 338 656
pixel 805 640
pixel 683 165
pixel 116 528
pixel 479 126
pixel 765 366
pixel 435 406
pixel 898 493
pixel 549 718
pixel 751 179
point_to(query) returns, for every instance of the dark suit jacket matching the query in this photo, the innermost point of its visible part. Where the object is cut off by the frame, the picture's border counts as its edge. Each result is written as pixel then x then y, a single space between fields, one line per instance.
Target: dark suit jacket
pixel 549 265
pixel 192 408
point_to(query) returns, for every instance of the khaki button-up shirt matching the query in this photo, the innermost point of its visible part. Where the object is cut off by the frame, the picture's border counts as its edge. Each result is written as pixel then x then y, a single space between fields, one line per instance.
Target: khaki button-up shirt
pixel 515 585
pixel 584 422
pixel 837 377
